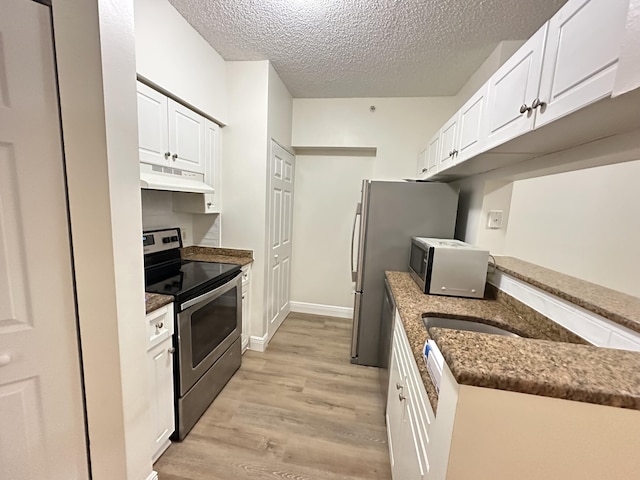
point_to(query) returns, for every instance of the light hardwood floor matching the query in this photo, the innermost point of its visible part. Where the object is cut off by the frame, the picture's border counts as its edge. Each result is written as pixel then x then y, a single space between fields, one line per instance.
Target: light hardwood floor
pixel 299 411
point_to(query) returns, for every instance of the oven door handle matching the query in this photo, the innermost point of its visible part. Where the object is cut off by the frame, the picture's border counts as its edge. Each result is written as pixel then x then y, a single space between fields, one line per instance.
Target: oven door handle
pixel 209 295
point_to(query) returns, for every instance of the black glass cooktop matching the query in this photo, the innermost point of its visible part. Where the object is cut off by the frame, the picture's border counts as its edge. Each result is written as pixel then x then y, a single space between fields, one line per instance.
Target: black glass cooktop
pixel 188 279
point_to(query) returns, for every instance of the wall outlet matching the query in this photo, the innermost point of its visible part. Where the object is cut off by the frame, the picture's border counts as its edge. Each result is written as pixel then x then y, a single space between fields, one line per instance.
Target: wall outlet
pixel 495 219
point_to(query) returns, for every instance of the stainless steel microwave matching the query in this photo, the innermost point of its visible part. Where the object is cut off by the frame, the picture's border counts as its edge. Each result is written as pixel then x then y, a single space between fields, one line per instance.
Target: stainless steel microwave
pixel 448 267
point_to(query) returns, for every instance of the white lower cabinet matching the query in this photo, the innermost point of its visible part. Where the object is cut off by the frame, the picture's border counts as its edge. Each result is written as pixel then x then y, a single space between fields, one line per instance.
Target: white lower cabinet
pixel 407 430
pixel 160 371
pixel 490 434
pixel 246 306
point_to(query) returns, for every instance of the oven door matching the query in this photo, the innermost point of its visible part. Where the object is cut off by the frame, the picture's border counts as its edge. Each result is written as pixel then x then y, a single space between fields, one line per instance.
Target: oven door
pixel 207 326
pixel 418 264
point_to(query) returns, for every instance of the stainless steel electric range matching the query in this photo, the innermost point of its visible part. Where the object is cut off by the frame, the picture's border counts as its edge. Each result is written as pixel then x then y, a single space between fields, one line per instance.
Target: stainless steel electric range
pixel 208 319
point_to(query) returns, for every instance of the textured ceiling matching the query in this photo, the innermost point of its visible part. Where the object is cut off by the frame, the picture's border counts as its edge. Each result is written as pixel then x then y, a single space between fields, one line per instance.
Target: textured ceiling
pixel 366 48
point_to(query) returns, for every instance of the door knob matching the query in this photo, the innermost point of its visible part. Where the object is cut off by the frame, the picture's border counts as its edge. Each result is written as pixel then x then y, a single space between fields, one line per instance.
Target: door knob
pixel 538 103
pixel 5 359
pixel 524 108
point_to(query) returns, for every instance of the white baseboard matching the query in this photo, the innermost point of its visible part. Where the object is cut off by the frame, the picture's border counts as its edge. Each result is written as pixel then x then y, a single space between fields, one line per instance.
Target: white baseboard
pixel 259 344
pixel 318 309
pixel 153 476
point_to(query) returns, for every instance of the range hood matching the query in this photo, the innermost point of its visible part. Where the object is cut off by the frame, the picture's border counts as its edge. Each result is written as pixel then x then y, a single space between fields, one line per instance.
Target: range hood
pixel 156 177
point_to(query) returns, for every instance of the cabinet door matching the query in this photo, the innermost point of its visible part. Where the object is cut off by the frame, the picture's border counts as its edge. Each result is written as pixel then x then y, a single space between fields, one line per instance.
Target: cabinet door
pixel 513 88
pixel 186 138
pixel 422 163
pixel 409 462
pixel 471 139
pixel 160 361
pixel 395 410
pixel 212 166
pixel 153 132
pixel 581 56
pixel 433 150
pixel 448 139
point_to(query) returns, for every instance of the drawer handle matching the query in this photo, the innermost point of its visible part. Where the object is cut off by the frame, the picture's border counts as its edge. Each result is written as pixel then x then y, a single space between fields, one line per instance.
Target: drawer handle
pixel 159 325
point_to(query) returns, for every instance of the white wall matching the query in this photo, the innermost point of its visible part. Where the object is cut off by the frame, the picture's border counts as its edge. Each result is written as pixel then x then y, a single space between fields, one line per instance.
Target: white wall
pixel 584 223
pixel 327 191
pixel 399 128
pixel 328 186
pixel 96 72
pixel 244 173
pixel 280 110
pixel 171 54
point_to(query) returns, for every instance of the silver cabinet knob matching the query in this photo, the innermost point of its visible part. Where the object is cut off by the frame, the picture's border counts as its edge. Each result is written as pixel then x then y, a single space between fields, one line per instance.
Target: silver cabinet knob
pixel 538 103
pixel 209 204
pixel 174 156
pixel 401 397
pixel 5 359
pixel 159 325
pixel 167 155
pixel 171 350
pixel 398 386
pixel 424 170
pixel 454 153
pixel 524 108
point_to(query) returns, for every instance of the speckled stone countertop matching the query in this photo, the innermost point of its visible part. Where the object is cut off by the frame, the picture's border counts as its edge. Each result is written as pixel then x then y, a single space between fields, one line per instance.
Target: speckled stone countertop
pixel 221 255
pixel 616 306
pixel 541 363
pixel 154 301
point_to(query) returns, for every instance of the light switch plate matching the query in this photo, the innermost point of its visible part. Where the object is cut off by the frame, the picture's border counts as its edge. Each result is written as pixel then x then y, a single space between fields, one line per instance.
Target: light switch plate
pixel 495 219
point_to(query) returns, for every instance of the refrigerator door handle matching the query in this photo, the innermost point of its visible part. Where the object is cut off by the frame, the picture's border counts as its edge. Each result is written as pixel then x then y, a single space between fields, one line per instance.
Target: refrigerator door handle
pixel 354 273
pixel 356 325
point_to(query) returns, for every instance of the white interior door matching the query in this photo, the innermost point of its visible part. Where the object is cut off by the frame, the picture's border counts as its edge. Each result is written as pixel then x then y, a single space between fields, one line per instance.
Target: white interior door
pixel 41 409
pixel 282 165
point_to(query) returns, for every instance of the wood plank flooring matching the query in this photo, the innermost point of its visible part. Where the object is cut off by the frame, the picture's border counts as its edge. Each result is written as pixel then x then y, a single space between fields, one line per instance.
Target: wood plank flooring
pixel 299 411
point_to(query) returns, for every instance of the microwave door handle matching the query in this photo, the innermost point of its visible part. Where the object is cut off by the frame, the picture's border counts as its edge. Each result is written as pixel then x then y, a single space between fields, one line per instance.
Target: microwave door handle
pixel 354 273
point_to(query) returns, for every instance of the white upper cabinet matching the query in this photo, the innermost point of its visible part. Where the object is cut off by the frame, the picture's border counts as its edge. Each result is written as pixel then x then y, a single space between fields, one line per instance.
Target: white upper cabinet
pixel 433 150
pixel 448 140
pixel 581 56
pixel 153 129
pixel 169 134
pixel 422 164
pixel 186 138
pixel 512 89
pixel 471 137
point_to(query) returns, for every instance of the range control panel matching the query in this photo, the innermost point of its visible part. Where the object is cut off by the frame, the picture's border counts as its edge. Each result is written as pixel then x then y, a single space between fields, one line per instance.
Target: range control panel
pixel 160 240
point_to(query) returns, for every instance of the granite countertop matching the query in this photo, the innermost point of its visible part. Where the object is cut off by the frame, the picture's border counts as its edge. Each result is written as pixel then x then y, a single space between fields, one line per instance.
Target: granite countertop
pixel 215 254
pixel 154 301
pixel 616 306
pixel 541 363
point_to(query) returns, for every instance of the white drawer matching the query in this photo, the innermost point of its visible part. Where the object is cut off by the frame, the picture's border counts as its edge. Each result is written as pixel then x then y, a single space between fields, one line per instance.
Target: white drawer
pixel 159 325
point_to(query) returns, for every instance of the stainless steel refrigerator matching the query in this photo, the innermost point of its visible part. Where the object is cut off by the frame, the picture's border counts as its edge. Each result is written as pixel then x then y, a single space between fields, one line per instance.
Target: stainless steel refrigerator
pixel 389 214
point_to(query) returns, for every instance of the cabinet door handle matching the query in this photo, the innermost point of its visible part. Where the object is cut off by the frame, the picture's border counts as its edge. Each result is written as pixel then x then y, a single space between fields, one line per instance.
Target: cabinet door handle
pixel 209 204
pixel 167 155
pixel 5 359
pixel 454 153
pixel 424 170
pixel 171 350
pixel 398 386
pixel 524 108
pixel 538 103
pixel 401 397
pixel 159 325
pixel 174 156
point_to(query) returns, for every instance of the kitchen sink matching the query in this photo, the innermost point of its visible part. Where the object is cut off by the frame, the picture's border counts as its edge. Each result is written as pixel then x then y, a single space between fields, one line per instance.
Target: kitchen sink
pixel 468 325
